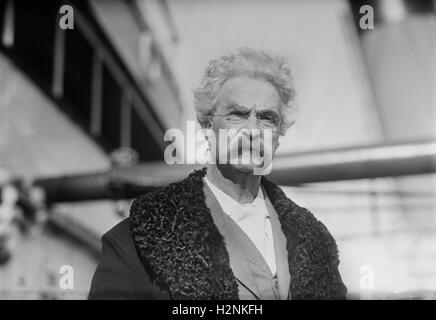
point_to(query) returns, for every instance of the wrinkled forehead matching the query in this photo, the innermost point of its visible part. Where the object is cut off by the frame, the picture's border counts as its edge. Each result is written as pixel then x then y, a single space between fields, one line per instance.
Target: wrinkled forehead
pixel 248 93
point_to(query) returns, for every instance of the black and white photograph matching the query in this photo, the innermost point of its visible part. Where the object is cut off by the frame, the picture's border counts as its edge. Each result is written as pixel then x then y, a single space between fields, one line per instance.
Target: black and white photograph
pixel 218 150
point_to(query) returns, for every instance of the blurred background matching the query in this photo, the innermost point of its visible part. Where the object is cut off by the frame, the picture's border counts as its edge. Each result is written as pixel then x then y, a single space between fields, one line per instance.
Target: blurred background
pixel 83 112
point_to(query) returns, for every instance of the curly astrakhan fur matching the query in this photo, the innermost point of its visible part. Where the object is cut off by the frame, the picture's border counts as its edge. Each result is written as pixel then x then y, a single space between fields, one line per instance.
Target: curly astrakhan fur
pixel 183 251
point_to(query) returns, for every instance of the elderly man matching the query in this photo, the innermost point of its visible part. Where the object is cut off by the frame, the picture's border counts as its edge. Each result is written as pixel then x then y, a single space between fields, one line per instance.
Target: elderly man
pixel 225 232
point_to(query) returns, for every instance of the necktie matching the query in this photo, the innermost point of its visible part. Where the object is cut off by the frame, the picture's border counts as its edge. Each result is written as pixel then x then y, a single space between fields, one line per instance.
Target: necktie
pixel 268 251
pixel 258 228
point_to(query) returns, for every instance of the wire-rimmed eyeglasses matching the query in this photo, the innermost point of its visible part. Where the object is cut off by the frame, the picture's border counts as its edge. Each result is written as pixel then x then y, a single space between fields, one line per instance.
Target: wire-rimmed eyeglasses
pixel 266 119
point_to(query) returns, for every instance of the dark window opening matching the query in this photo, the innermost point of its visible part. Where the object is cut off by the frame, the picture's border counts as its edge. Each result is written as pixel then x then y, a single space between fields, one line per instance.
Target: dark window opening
pixel 2 15
pixel 111 109
pixel 35 23
pixel 142 140
pixel 78 73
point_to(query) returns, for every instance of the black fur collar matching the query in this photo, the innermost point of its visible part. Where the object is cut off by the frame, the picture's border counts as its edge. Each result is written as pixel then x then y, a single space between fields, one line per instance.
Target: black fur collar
pixel 183 251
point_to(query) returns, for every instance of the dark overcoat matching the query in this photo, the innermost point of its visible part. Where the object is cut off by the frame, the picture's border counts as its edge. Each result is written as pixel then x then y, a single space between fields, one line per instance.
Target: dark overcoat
pixel 170 248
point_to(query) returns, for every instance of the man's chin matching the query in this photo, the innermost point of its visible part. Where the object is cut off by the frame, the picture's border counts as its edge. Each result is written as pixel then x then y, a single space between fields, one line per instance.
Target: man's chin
pixel 245 168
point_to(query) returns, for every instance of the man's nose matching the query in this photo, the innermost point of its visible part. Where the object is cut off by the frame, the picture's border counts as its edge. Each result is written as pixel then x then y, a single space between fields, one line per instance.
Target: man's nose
pixel 251 128
pixel 251 122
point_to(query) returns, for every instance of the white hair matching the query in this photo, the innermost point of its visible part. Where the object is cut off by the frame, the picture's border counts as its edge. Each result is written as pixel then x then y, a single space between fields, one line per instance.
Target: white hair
pixel 252 63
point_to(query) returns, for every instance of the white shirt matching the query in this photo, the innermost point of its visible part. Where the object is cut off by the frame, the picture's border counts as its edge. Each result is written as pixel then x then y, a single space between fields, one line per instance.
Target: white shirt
pixel 253 218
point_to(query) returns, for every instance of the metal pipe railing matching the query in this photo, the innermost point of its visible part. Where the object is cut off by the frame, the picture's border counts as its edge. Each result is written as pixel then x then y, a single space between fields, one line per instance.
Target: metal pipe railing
pixel 372 161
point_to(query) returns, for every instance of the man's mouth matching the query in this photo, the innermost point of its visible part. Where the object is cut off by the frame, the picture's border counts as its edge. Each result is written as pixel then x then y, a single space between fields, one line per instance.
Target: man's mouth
pixel 251 150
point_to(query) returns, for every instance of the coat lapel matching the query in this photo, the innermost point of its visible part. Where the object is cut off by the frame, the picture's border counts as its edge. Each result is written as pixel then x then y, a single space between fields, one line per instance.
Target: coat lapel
pixel 239 239
pixel 179 244
pixel 312 251
pixel 283 276
pixel 235 245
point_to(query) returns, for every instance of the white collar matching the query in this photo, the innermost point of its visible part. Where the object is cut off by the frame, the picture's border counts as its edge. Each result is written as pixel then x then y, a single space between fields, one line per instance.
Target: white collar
pixel 231 206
